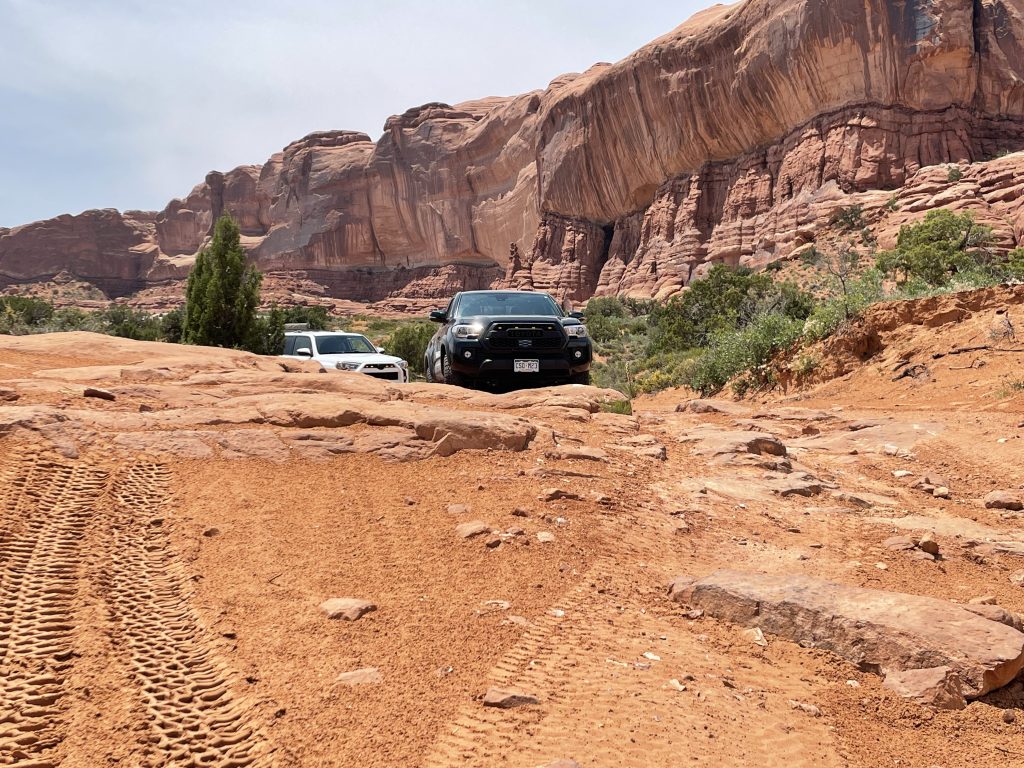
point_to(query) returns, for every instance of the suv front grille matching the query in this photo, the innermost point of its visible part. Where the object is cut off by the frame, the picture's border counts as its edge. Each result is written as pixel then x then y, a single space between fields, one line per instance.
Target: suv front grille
pixel 525 336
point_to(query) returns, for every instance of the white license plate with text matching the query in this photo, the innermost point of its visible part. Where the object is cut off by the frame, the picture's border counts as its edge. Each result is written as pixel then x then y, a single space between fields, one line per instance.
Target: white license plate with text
pixel 526 366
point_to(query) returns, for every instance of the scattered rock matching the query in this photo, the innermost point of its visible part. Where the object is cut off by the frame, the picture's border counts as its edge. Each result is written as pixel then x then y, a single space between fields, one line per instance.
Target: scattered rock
pixel 899 543
pixel 1009 717
pixel 582 453
pixel 938 687
pixel 712 406
pixel 553 494
pixel 901 473
pixel 1017 577
pixel 364 676
pixel 561 764
pixel 544 537
pixel 810 709
pixel 926 543
pixel 472 529
pixel 520 512
pixel 211 532
pixel 101 394
pixel 756 636
pixel 459 509
pixel 1011 500
pixel 878 630
pixel 347 608
pixel 508 698
pixel 712 442
pixel 941 492
pixel 985 600
pixel 8 395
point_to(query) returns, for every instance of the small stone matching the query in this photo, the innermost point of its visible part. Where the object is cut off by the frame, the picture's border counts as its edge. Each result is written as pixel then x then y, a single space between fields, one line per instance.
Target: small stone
pixel 347 608
pixel 520 512
pixel 901 473
pixel 211 532
pixel 508 698
pixel 1017 577
pixel 891 450
pixel 882 566
pixel 493 543
pixel 364 676
pixel 984 600
pixel 651 656
pixel 1009 717
pixel 545 537
pixel 553 494
pixel 472 529
pixel 927 544
pixel 1009 500
pixel 101 394
pixel 810 709
pixel 756 636
pixel 941 492
pixel 673 683
pixel 409 501
pixel 899 544
pixel 459 509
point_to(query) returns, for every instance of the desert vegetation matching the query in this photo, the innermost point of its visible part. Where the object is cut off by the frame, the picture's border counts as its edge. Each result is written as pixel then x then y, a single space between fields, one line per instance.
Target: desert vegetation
pixel 723 330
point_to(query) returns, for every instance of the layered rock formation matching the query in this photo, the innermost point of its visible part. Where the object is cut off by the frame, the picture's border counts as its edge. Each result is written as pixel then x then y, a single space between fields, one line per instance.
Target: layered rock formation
pixel 732 139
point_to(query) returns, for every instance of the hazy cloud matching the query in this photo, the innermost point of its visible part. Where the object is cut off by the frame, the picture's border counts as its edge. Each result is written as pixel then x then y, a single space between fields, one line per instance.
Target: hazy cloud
pixel 128 103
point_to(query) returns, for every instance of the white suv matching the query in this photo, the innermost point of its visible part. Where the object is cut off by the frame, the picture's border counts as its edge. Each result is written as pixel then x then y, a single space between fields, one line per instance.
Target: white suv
pixel 345 352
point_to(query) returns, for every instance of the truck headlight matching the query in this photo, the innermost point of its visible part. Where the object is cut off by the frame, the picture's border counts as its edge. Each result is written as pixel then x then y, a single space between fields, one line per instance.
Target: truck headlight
pixel 347 366
pixel 576 331
pixel 467 331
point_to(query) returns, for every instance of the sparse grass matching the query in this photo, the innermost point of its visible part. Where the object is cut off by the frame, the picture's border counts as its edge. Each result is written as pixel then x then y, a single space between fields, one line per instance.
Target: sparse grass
pixel 624 407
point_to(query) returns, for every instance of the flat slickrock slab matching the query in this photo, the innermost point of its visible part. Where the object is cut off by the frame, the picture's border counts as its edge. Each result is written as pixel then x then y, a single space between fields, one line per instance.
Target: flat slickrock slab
pixel 887 632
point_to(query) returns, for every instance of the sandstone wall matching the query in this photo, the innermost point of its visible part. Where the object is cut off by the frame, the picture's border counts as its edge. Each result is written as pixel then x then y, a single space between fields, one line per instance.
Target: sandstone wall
pixel 731 139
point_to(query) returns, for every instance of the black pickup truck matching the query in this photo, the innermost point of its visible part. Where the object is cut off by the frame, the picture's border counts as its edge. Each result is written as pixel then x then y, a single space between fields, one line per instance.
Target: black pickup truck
pixel 507 338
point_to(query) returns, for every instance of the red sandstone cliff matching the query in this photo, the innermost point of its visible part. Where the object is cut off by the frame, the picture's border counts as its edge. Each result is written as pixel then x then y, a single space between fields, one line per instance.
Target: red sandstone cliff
pixel 733 138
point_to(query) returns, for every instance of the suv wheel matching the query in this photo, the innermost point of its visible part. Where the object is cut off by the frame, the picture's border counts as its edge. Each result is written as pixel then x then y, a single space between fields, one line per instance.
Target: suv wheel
pixel 428 369
pixel 580 378
pixel 451 377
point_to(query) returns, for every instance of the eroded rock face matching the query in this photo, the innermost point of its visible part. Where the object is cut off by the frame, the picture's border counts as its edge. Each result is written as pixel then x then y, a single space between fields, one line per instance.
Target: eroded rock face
pixel 887 632
pixel 733 139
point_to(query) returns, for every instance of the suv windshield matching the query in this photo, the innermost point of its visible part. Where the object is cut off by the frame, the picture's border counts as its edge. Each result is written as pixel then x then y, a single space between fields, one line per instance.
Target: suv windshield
pixel 496 304
pixel 344 345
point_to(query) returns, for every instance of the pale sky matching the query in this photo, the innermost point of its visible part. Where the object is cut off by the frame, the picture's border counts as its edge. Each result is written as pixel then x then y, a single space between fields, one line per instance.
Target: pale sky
pixel 129 103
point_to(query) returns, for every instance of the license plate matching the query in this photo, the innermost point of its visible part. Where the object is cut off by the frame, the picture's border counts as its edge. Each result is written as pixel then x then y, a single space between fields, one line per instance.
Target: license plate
pixel 526 366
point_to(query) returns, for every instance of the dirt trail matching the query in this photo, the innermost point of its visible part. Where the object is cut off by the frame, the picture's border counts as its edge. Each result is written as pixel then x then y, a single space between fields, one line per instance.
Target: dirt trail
pixel 163 555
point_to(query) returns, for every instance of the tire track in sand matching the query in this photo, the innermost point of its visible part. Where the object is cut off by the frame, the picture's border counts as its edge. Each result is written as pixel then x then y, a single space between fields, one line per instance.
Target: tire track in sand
pixel 45 508
pixel 193 718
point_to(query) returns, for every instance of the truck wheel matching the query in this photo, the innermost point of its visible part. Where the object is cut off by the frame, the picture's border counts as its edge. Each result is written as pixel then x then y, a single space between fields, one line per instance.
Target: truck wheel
pixel 451 377
pixel 580 378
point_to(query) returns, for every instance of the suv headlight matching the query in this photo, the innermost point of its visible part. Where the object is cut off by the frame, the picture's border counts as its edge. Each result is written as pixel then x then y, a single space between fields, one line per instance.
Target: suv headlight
pixel 402 364
pixel 467 331
pixel 347 366
pixel 576 331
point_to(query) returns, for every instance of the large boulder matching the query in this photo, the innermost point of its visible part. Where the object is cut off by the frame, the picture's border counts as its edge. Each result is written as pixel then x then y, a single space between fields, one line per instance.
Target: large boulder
pixel 885 632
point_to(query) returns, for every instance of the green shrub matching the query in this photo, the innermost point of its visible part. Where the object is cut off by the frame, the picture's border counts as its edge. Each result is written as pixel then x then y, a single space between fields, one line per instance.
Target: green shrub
pixel 954 174
pixel 848 219
pixel 315 317
pixel 726 299
pixel 409 342
pixel 128 323
pixel 935 249
pixel 747 350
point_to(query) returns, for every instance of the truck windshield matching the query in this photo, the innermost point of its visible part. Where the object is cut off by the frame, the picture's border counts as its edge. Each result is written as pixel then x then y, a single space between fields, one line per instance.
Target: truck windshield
pixel 497 304
pixel 344 345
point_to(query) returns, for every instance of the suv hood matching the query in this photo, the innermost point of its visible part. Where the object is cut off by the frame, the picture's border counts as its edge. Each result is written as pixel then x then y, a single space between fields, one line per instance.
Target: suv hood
pixel 360 357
